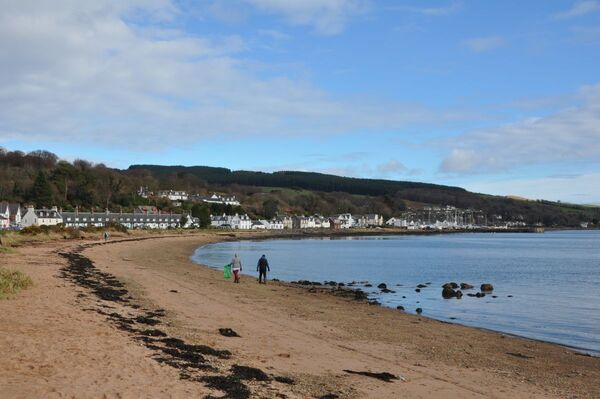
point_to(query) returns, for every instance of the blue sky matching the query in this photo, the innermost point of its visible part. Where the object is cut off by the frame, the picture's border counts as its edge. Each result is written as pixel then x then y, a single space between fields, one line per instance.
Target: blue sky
pixel 497 97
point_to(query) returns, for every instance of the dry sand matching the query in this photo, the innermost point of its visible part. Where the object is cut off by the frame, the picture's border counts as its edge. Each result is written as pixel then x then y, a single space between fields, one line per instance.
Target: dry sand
pixel 77 333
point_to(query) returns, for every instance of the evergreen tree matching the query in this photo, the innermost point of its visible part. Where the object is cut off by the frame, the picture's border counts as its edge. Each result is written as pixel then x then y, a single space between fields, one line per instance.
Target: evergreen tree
pixel 41 192
pixel 202 212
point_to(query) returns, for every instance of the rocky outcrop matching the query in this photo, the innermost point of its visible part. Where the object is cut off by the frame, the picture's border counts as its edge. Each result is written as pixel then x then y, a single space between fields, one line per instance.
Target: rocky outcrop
pixel 465 286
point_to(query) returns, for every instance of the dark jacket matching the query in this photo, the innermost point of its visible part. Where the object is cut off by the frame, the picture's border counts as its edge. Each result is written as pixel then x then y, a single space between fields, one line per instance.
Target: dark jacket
pixel 263 264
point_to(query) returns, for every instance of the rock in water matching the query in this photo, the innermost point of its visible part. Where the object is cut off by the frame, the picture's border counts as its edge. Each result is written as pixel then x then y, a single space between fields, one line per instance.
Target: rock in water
pixel 448 293
pixel 421 286
pixel 487 287
pixel 459 294
pixel 452 285
pixel 400 307
pixel 465 286
pixel 382 286
pixel 419 310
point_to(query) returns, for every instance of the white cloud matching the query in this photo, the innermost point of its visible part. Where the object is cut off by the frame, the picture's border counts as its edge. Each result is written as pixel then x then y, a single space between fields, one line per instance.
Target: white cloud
pixel 570 134
pixel 83 71
pixel 391 167
pixel 274 34
pixel 327 17
pixel 448 9
pixel 480 44
pixel 579 189
pixel 579 9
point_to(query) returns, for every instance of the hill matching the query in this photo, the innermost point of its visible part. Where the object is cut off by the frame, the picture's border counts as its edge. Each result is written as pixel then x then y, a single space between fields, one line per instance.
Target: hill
pixel 41 178
pixel 383 196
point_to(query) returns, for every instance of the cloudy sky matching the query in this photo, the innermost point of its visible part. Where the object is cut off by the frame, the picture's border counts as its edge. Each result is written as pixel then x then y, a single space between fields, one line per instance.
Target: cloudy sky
pixel 500 97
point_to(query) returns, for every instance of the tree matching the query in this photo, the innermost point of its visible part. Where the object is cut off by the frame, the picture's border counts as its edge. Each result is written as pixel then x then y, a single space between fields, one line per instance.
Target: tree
pixel 270 208
pixel 41 192
pixel 202 212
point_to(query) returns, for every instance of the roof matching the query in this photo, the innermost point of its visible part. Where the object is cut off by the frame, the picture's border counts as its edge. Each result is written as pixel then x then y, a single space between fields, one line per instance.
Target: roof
pixel 14 208
pixel 47 214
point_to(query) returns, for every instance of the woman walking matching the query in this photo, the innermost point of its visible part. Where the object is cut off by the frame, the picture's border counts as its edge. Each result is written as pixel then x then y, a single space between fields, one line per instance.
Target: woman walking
pixel 236 268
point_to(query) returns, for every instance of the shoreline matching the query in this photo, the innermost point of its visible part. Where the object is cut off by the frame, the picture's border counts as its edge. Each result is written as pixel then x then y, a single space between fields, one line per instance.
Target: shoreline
pixel 310 336
pixel 581 350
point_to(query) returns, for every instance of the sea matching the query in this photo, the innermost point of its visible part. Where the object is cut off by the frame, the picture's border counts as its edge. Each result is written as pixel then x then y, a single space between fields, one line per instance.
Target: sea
pixel 546 286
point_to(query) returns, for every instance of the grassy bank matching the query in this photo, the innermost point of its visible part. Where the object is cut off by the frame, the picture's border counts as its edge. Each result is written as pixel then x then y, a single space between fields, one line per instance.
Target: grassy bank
pixel 12 281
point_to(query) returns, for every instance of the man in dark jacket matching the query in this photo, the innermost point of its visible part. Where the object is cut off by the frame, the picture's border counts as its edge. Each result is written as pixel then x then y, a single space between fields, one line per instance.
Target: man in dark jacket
pixel 261 268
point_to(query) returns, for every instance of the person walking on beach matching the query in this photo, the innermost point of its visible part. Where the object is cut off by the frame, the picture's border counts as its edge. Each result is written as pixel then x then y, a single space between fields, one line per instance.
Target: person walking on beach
pixel 106 236
pixel 261 267
pixel 236 268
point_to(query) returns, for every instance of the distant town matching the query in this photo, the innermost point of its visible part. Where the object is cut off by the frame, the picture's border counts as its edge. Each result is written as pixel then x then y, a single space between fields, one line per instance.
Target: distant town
pixel 16 216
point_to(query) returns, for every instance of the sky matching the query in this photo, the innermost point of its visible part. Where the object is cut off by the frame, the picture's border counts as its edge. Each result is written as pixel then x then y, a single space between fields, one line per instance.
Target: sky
pixel 500 97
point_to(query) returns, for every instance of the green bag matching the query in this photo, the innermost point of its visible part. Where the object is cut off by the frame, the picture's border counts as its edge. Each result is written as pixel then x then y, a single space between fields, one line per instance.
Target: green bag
pixel 227 271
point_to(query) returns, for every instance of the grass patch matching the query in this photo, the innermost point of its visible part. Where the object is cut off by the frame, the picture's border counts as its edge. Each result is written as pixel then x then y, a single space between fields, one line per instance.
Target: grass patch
pixel 12 281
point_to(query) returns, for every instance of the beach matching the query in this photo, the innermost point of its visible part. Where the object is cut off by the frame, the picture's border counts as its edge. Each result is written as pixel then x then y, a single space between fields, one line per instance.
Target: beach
pixel 137 318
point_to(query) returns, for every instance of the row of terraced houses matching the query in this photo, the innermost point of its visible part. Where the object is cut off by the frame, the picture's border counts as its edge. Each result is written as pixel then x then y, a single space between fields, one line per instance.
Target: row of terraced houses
pixel 280 222
pixel 14 216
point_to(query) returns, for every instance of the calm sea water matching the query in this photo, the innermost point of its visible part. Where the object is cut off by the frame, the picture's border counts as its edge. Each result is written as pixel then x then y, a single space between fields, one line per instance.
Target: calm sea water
pixel 554 278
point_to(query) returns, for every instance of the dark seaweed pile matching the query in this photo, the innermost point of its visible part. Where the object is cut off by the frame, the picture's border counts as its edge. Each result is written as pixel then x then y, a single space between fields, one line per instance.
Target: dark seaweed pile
pixel 193 361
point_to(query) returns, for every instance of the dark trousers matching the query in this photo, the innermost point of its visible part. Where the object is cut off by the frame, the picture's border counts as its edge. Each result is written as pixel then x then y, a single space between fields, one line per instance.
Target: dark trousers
pixel 262 275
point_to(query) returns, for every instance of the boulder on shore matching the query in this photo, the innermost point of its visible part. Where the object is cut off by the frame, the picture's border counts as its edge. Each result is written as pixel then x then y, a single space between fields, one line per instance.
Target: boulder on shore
pixel 400 307
pixel 465 286
pixel 419 310
pixel 487 287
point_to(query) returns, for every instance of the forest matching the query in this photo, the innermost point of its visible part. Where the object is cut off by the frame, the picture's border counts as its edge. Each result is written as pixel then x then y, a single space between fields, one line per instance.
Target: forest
pixel 41 178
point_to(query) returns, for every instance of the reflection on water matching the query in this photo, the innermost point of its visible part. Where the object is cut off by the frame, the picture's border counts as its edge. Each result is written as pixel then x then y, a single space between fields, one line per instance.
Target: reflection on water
pixel 553 278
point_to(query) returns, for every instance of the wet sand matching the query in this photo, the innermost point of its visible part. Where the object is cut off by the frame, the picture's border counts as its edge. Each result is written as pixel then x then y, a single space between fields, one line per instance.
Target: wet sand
pixel 139 319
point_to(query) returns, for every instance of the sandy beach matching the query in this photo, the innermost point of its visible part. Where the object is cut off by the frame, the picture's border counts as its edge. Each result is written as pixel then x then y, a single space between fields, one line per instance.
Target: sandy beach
pixel 136 318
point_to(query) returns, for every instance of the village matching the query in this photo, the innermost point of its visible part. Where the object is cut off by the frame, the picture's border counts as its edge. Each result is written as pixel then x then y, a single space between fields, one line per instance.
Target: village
pixel 14 216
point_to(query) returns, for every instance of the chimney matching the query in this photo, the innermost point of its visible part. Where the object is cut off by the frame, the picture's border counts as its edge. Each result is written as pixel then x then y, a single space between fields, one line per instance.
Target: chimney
pixel 54 208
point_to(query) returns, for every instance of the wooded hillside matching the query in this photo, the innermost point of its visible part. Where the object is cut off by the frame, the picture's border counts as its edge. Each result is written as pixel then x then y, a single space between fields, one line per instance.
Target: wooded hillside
pixel 40 178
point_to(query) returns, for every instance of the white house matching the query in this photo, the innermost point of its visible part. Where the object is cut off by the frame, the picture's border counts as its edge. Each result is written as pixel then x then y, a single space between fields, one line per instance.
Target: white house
pixel 236 221
pixel 285 220
pixel 397 222
pixel 218 199
pixel 241 222
pixel 41 217
pixel 321 222
pixel 345 220
pixel 173 195
pixel 4 215
pixel 275 224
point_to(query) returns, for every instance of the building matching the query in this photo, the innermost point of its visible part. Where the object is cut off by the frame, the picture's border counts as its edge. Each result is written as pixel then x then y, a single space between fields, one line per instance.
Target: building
pixel 219 199
pixel 129 220
pixel 173 195
pixel 345 220
pixel 4 215
pixel 41 217
pixel 241 222
pixel 369 220
pixel 286 221
pixel 15 214
pixel 144 192
pixel 146 209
